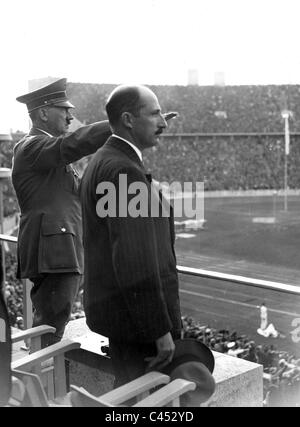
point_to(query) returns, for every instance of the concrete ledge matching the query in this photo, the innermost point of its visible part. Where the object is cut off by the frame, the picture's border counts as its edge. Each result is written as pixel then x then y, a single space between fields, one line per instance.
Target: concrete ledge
pixel 239 383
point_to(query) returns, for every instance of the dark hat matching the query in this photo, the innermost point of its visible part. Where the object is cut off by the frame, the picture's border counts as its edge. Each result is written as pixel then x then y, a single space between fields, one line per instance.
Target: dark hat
pixel 193 361
pixel 52 94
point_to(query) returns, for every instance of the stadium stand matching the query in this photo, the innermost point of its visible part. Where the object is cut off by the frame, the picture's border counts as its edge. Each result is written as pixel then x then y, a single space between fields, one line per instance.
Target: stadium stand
pixel 205 109
pixel 10 204
pixel 230 138
pixel 246 150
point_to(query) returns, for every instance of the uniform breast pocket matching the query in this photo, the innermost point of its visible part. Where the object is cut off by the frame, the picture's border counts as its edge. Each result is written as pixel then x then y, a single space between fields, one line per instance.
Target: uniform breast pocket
pixel 57 247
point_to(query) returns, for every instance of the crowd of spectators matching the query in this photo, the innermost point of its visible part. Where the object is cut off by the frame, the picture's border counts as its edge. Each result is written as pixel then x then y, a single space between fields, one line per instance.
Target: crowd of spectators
pixel 221 162
pixel 13 292
pixel 233 162
pixel 225 163
pixel 205 109
pixel 281 369
pixel 10 205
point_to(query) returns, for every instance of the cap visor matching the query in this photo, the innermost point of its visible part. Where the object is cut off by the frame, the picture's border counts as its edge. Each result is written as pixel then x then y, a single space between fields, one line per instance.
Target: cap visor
pixel 65 104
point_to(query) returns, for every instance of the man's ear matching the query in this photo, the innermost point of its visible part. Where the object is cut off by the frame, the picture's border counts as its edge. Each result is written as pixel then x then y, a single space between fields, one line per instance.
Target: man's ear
pixel 43 114
pixel 127 119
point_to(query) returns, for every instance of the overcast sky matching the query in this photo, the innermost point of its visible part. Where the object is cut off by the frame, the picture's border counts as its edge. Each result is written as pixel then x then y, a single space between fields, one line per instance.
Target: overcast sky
pixel 144 41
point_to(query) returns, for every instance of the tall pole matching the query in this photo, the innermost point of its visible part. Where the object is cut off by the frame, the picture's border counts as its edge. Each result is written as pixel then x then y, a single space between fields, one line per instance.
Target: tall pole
pixel 285 183
pixel 286 114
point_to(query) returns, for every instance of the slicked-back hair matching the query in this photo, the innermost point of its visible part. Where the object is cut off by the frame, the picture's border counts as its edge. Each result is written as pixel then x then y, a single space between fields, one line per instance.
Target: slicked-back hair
pixel 123 99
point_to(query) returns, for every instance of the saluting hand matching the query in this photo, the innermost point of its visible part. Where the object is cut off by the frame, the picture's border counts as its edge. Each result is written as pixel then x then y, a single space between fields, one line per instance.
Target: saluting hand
pixel 170 115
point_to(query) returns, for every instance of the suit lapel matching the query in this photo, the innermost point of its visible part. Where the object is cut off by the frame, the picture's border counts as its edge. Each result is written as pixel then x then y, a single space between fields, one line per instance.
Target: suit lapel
pixel 129 152
pixel 120 145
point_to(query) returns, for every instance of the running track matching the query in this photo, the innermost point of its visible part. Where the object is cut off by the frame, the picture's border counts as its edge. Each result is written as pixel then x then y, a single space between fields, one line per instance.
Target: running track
pixel 220 304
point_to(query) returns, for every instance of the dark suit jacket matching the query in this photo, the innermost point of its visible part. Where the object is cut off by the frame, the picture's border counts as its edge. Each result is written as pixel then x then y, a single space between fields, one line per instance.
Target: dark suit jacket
pixel 130 282
pixel 50 233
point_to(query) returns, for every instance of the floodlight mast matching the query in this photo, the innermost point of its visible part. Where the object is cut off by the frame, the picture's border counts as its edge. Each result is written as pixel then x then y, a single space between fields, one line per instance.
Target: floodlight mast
pixel 285 114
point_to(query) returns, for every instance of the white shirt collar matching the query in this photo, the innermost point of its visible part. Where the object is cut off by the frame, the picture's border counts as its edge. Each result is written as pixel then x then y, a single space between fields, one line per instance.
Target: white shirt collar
pixel 43 131
pixel 137 150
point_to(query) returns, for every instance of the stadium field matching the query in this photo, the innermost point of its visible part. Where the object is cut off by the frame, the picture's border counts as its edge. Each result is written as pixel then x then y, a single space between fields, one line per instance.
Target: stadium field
pixel 239 237
pixel 247 231
pixel 235 307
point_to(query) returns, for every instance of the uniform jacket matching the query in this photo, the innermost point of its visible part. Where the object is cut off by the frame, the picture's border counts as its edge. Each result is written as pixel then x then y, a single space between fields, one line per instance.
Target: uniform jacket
pixel 46 185
pixel 130 282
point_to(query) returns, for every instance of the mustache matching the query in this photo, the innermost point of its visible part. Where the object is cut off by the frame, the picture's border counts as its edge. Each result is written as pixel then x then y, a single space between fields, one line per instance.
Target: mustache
pixel 158 132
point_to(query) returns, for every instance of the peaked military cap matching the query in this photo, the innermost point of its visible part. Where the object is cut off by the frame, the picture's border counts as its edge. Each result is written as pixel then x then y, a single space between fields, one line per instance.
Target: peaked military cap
pixel 52 94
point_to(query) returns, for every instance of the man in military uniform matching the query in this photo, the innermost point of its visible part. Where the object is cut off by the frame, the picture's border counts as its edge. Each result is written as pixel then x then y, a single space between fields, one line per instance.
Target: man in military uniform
pixel 50 251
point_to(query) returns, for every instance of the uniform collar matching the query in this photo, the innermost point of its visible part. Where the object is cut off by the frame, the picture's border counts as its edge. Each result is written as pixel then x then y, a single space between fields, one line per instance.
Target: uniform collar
pixel 34 129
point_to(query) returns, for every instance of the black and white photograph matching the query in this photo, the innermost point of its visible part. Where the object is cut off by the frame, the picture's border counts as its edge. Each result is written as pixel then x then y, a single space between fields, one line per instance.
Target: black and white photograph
pixel 150 206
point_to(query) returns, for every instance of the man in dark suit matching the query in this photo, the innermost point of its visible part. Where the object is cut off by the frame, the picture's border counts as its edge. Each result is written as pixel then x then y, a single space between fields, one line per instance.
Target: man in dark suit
pixel 130 283
pixel 50 249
